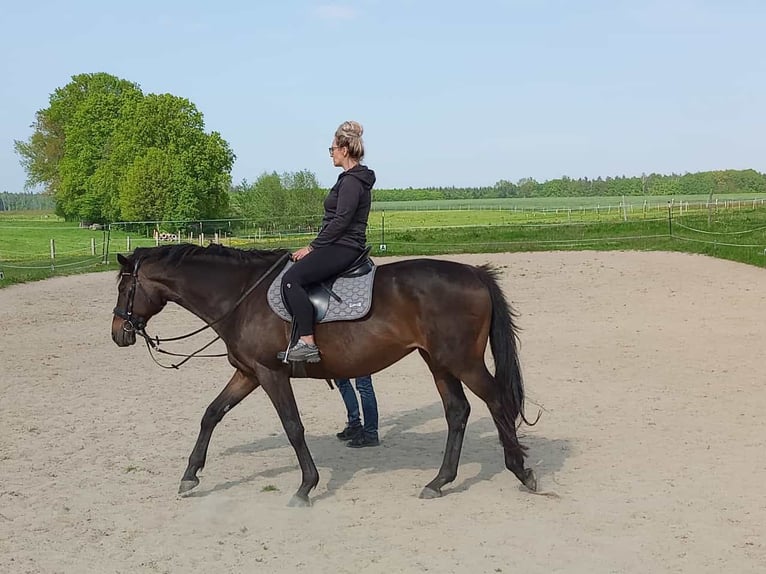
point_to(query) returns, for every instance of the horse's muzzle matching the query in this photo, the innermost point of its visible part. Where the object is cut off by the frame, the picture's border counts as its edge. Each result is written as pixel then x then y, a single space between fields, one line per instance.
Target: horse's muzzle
pixel 122 332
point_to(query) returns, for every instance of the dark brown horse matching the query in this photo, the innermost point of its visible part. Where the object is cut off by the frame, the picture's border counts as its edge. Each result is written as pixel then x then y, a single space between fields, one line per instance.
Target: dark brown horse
pixel 446 310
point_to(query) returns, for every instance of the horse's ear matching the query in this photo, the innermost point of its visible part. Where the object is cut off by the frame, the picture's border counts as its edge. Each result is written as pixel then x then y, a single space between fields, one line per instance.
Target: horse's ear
pixel 122 260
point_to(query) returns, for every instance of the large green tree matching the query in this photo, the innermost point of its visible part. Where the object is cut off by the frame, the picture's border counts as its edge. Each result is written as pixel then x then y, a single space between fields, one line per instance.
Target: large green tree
pixel 71 137
pixel 160 150
pixel 106 151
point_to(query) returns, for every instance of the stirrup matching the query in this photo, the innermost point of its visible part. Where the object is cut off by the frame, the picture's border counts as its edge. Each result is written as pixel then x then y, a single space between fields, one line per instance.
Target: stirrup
pixel 301 352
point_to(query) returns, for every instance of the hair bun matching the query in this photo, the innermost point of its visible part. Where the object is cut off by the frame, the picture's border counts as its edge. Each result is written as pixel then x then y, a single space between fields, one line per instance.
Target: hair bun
pixel 352 128
pixel 349 134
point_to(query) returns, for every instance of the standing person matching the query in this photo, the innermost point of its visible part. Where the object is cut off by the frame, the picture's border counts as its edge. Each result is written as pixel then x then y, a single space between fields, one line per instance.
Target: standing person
pixel 355 433
pixel 340 241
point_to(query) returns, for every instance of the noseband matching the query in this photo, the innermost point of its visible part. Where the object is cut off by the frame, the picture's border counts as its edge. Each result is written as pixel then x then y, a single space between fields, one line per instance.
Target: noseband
pixel 131 323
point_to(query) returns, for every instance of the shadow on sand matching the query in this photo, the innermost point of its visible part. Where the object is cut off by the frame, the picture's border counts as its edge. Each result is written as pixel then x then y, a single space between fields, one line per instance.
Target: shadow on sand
pixel 404 448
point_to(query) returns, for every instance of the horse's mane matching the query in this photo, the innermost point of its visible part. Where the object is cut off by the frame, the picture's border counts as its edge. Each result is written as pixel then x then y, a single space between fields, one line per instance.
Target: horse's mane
pixel 178 253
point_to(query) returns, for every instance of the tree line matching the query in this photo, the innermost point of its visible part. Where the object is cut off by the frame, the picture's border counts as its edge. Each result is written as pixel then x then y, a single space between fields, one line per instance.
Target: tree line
pixel 295 198
pixel 26 202
pixel 707 183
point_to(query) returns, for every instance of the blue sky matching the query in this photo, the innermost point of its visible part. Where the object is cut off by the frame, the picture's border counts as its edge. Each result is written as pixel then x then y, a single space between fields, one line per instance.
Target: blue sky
pixel 449 93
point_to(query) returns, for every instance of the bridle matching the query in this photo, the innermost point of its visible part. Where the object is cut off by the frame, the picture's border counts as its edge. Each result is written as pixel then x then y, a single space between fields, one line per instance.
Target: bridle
pixel 133 323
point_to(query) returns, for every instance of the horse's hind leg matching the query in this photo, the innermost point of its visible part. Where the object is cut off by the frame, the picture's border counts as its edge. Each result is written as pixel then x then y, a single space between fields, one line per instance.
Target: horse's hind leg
pixel 238 387
pixel 277 386
pixel 483 384
pixel 456 409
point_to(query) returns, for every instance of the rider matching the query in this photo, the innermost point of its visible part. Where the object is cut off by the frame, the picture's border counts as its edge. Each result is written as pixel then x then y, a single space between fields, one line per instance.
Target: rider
pixel 341 239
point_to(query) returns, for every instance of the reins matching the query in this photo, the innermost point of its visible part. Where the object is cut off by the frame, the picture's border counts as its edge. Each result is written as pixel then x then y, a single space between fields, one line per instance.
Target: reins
pixel 153 343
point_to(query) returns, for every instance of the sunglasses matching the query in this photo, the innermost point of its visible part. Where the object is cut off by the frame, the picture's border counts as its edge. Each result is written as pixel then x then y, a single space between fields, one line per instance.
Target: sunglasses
pixel 333 148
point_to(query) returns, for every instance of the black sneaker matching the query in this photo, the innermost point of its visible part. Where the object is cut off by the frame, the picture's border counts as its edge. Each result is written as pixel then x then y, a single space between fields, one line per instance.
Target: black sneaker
pixel 349 433
pixel 363 440
pixel 301 352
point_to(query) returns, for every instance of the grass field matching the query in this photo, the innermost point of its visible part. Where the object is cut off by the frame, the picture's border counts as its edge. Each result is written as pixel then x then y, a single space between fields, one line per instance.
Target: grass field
pixel 561 203
pixel 735 230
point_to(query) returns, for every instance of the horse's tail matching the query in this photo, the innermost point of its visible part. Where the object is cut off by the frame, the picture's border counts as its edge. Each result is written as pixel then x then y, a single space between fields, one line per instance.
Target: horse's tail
pixel 504 340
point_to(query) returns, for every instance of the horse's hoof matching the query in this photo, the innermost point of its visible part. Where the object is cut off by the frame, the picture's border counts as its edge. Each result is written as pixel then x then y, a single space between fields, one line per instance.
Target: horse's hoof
pixel 530 481
pixel 298 501
pixel 187 486
pixel 428 493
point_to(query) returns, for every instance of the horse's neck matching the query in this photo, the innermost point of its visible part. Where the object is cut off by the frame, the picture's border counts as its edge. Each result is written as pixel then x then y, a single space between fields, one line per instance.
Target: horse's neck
pixel 207 293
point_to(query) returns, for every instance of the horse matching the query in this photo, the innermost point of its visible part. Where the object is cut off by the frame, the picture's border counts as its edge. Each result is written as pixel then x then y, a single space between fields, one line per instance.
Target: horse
pixel 445 310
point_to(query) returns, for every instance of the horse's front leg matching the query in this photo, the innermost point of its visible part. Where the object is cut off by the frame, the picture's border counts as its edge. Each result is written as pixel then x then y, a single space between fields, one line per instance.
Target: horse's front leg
pixel 277 386
pixel 238 387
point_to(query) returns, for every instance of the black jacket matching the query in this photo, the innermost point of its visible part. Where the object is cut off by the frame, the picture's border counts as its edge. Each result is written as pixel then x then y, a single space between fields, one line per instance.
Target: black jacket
pixel 346 209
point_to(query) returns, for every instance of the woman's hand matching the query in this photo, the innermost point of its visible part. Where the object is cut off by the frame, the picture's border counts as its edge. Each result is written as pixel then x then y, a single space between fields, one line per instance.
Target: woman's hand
pixel 301 253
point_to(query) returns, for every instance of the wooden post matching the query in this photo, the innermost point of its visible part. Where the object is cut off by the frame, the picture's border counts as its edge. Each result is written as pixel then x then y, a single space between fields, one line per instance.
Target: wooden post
pixel 93 246
pixel 53 249
pixel 670 218
pixel 382 229
pixel 128 243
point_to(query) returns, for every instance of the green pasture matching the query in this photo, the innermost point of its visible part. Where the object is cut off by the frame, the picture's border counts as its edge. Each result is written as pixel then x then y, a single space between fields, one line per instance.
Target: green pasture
pixel 562 203
pixel 734 230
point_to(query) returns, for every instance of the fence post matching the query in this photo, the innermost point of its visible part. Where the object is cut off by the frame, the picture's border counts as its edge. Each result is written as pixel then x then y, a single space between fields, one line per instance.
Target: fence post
pixel 107 239
pixel 670 219
pixel 382 230
pixel 93 246
pixel 53 250
pixel 127 243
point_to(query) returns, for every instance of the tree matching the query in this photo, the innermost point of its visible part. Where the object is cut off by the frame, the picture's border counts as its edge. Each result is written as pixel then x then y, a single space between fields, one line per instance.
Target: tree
pixel 293 199
pixel 106 151
pixel 262 201
pixel 304 198
pixel 160 140
pixel 148 185
pixel 70 137
pixel 527 187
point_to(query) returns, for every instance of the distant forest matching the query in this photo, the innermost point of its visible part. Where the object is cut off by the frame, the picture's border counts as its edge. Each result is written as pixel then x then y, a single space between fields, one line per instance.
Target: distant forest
pixel 702 183
pixel 26 202
pixel 707 182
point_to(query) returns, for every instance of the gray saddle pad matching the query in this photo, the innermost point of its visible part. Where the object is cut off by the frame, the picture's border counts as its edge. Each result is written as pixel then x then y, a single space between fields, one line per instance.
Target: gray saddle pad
pixel 355 294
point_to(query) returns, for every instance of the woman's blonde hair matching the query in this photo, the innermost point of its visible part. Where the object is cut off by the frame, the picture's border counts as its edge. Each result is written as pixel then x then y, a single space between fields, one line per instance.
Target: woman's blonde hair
pixel 349 135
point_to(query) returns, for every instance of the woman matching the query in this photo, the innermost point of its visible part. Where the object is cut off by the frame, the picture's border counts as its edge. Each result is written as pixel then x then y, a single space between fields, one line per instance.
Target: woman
pixel 341 239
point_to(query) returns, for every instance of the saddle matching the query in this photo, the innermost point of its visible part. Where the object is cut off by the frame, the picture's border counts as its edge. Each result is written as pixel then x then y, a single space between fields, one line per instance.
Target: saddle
pixel 346 297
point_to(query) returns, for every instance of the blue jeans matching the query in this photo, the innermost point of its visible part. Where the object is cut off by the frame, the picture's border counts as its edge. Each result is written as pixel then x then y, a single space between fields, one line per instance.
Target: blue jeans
pixel 369 403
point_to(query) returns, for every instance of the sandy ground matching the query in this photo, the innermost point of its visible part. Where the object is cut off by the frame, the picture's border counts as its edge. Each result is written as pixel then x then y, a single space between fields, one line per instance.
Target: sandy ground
pixel 649 368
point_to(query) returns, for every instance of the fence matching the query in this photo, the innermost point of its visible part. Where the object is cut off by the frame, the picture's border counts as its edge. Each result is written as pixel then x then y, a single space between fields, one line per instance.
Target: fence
pixel 432 231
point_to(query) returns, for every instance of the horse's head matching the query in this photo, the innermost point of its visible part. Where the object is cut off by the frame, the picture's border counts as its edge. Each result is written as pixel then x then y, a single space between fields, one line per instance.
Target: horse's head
pixel 139 298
